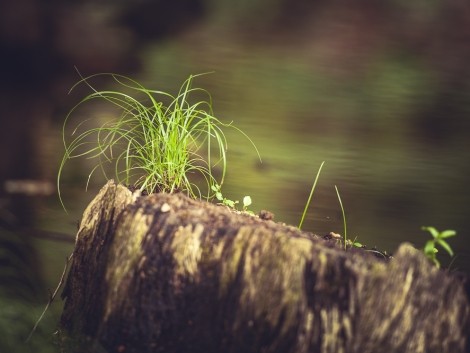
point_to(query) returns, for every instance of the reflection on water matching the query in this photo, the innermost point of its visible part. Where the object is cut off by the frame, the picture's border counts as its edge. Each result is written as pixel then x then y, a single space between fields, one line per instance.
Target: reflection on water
pixel 370 126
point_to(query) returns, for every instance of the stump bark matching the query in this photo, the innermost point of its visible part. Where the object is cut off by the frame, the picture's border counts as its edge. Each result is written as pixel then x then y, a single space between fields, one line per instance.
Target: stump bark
pixel 165 273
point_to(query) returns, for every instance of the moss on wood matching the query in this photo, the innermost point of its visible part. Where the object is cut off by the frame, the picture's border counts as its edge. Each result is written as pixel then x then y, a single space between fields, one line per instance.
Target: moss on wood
pixel 165 273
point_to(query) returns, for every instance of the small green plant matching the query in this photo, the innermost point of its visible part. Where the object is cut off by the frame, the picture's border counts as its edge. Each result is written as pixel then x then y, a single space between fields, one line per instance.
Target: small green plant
pixel 347 242
pixel 310 196
pixel 230 203
pixel 160 142
pixel 430 248
pixel 344 217
pixel 246 203
pixel 223 200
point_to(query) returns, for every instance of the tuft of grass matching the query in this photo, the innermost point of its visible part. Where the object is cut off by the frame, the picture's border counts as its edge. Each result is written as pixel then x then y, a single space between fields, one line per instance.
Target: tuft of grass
pixel 159 143
pixel 430 248
pixel 346 241
pixel 310 196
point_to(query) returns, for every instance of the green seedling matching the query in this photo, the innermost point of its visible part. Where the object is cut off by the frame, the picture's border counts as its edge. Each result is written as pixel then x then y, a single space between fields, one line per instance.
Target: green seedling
pixel 223 200
pixel 246 202
pixel 230 203
pixel 159 143
pixel 344 217
pixel 430 248
pixel 347 242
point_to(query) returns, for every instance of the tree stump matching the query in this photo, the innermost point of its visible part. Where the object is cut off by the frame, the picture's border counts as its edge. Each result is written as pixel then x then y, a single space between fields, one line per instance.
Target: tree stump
pixel 166 273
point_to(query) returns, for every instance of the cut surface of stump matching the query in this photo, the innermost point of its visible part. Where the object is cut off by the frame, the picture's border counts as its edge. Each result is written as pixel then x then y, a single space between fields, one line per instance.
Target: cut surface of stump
pixel 165 273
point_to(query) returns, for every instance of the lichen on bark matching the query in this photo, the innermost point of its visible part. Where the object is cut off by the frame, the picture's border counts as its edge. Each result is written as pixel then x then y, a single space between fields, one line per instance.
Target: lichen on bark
pixel 165 273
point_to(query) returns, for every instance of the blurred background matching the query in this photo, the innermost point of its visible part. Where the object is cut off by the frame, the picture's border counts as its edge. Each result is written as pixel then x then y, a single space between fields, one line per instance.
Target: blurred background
pixel 380 91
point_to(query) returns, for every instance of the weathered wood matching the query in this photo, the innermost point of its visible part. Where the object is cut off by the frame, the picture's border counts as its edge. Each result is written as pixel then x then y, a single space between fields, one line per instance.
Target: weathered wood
pixel 164 273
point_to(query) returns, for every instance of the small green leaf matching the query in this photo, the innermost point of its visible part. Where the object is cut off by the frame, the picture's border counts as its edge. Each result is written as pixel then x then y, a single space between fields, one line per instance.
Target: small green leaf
pixel 229 203
pixel 445 246
pixel 246 201
pixel 431 230
pixel 447 233
pixel 219 196
pixel 429 247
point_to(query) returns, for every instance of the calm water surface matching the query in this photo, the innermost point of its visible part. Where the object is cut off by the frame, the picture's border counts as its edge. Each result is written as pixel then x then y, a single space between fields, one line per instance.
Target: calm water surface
pixel 395 171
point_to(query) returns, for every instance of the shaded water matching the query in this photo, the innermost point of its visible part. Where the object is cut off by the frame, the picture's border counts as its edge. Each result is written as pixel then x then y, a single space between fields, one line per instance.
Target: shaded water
pixel 396 170
pixel 398 161
pixel 392 132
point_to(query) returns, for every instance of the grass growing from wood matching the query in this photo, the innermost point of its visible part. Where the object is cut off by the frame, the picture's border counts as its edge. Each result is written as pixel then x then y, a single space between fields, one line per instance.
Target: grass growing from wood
pixel 346 241
pixel 344 218
pixel 160 142
pixel 165 143
pixel 430 249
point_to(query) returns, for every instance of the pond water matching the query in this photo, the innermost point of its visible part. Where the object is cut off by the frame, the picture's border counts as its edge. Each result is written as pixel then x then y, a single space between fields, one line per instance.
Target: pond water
pixel 398 161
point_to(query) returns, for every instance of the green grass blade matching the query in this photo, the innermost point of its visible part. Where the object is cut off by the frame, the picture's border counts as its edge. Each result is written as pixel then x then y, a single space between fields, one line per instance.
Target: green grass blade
pixel 344 217
pixel 310 196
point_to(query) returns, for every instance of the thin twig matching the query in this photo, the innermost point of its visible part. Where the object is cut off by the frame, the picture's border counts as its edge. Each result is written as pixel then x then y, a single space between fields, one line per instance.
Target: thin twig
pixel 52 297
